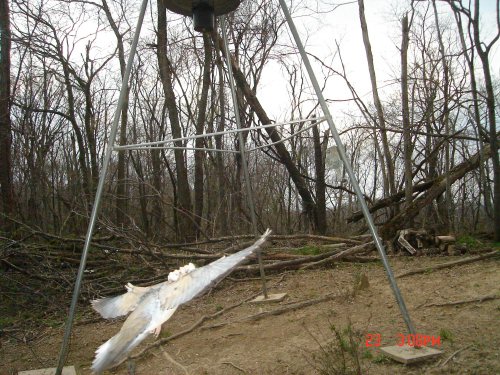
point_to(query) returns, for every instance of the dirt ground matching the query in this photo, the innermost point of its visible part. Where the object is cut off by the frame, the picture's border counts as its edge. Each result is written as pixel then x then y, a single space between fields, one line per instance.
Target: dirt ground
pixel 287 343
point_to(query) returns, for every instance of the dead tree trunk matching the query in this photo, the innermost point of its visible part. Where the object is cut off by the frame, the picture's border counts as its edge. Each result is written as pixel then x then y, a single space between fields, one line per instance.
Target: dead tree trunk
pixel 284 155
pixel 5 126
pixel 199 156
pixel 319 164
pixel 483 50
pixel 490 104
pixel 437 188
pixel 484 182
pixel 121 202
pixel 445 120
pixel 219 160
pixel 406 112
pixel 183 190
pixel 389 164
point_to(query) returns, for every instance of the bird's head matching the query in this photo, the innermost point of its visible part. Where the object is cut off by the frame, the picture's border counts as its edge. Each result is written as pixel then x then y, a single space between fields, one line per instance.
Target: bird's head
pixel 174 276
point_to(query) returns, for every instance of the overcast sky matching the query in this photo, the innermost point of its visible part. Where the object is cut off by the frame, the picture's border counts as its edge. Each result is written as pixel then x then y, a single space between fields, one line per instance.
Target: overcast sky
pixel 321 27
pixel 342 25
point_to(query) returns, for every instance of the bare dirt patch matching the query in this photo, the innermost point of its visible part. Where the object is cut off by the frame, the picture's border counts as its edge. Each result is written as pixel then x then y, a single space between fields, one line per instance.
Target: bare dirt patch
pixel 284 344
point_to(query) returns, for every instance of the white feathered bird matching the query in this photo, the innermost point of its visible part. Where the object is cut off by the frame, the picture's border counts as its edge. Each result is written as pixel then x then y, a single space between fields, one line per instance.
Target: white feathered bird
pixel 152 306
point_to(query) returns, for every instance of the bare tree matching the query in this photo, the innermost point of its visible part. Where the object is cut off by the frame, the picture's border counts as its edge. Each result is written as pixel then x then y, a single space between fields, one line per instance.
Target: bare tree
pixel 408 149
pixel 445 117
pixel 483 50
pixel 121 203
pixel 5 126
pixel 64 92
pixel 166 72
pixel 388 160
pixel 320 146
pixel 199 156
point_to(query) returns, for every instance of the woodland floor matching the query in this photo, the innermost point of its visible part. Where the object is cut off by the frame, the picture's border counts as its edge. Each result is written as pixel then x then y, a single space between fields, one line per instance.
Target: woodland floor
pixel 289 343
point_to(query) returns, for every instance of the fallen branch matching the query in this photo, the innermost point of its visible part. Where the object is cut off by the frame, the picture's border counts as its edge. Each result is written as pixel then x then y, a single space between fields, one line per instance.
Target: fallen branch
pixel 361 259
pixel 246 279
pixel 454 354
pixel 233 365
pixel 291 307
pixel 272 237
pixel 288 264
pixel 192 328
pixel 292 249
pixel 173 361
pixel 450 264
pixel 388 230
pixel 309 261
pixel 343 254
pixel 461 302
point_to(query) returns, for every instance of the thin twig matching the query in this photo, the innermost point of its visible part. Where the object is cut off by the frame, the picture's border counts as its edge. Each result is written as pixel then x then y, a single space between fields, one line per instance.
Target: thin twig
pixel 454 354
pixel 190 329
pixel 291 307
pixel 233 365
pixel 169 358
pixel 461 302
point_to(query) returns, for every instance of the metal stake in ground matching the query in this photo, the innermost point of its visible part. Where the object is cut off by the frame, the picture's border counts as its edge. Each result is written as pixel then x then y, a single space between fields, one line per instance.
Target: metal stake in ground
pixel 100 186
pixel 348 167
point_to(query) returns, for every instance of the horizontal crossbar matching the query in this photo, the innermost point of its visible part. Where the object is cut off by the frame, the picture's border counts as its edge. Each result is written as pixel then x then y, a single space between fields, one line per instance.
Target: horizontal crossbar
pixel 157 144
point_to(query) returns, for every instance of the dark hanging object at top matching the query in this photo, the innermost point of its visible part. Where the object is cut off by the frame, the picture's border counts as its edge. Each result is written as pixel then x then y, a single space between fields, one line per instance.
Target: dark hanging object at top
pixel 202 11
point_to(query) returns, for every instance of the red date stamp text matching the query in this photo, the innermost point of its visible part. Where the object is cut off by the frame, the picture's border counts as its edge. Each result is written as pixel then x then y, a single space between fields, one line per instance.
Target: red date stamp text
pixel 416 340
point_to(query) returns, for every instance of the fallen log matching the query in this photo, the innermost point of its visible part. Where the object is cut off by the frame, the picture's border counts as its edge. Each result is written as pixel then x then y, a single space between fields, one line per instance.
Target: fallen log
pixel 285 309
pixel 462 302
pixel 434 188
pixel 438 187
pixel 312 261
pixel 450 264
pixel 323 247
pixel 446 243
pixel 305 236
pixel 369 246
pixel 389 201
pixel 405 244
pixel 288 264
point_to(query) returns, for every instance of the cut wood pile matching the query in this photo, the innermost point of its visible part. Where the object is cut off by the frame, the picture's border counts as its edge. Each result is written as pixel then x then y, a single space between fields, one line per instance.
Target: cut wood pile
pixel 423 242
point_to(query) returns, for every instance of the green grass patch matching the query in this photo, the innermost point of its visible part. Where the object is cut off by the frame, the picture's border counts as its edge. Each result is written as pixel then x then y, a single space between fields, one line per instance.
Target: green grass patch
pixel 381 359
pixel 165 334
pixel 470 242
pixel 475 243
pixel 7 321
pixel 342 354
pixel 367 354
pixel 446 335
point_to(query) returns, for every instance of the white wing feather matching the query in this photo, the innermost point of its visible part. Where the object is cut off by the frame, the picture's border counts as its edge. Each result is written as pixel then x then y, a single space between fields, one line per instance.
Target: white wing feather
pixel 113 307
pixel 136 328
pixel 194 283
pixel 152 306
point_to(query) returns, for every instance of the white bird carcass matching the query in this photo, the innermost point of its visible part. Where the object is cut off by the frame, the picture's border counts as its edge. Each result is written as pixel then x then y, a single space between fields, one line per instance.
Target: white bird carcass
pixel 152 306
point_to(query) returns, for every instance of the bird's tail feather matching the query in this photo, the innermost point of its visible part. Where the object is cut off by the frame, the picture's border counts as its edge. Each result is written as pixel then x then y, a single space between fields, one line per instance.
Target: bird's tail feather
pixel 115 350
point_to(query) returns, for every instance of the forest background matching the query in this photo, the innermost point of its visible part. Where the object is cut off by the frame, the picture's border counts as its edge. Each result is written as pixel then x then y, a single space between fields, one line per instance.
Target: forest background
pixel 413 87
